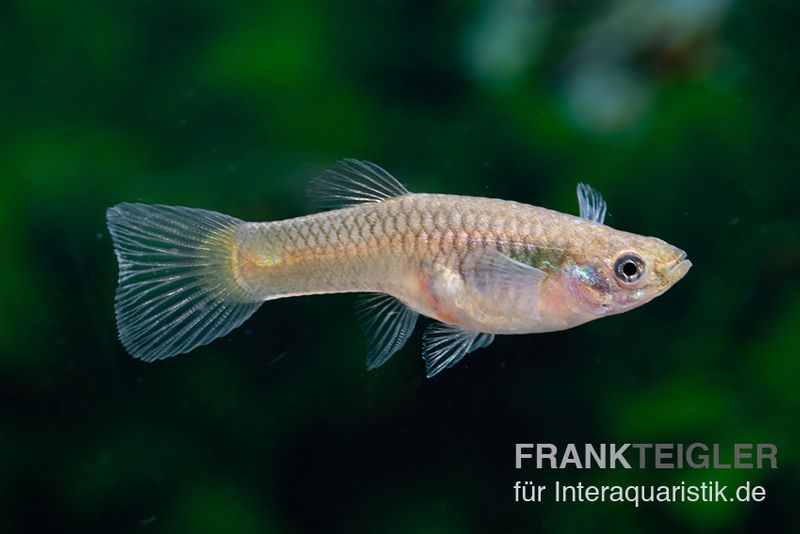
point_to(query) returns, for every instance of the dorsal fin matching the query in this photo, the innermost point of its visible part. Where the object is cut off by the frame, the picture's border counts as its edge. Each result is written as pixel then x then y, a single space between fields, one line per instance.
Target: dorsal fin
pixel 351 182
pixel 591 204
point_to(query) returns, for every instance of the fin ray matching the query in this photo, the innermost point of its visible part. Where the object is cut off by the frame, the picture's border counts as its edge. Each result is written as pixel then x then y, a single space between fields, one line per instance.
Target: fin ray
pixel 176 287
pixel 350 182
pixel 492 273
pixel 445 345
pixel 387 325
pixel 591 203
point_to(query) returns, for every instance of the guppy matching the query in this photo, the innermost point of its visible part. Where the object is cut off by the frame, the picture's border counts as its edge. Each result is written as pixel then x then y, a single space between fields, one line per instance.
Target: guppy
pixel 478 266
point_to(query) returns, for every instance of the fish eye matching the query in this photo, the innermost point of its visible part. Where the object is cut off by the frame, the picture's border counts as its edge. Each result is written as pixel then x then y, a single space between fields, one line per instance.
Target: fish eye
pixel 629 268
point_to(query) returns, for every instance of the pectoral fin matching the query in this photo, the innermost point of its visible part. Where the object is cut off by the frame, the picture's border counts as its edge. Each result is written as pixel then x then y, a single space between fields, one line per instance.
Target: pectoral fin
pixel 495 270
pixel 591 204
pixel 444 345
pixel 387 325
pixel 501 285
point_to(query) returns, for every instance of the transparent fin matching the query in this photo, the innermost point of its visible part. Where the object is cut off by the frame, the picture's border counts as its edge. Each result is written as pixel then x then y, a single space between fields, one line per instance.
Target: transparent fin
pixel 351 182
pixel 591 204
pixel 176 287
pixel 482 340
pixel 493 272
pixel 387 325
pixel 445 345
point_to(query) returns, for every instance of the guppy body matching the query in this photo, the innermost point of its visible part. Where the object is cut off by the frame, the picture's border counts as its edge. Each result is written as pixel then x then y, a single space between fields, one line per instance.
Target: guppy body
pixel 479 266
pixel 417 248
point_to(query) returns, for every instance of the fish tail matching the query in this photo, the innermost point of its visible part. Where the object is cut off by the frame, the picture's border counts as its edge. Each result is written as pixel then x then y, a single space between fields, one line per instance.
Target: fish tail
pixel 177 283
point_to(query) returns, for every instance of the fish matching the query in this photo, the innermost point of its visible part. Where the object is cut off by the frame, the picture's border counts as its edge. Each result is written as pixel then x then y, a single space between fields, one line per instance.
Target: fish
pixel 478 267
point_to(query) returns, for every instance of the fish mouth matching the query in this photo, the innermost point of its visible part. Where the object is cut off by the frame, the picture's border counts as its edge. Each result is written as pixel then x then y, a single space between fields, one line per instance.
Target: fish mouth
pixel 680 267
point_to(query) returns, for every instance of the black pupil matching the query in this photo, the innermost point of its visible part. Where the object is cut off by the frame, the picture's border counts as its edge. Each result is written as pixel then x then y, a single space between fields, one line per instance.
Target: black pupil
pixel 629 269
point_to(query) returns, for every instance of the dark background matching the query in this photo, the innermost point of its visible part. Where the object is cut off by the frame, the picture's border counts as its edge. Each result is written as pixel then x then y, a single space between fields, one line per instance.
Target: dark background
pixel 682 113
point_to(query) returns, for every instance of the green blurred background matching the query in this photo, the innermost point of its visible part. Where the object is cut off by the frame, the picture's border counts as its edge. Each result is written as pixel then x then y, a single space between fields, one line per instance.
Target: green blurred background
pixel 683 113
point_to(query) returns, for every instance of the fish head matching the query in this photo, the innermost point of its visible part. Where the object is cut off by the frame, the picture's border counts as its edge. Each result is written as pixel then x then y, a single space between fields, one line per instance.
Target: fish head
pixel 624 272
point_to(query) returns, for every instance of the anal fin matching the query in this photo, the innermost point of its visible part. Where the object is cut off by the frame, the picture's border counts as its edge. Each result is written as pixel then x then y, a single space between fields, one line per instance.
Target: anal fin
pixel 387 325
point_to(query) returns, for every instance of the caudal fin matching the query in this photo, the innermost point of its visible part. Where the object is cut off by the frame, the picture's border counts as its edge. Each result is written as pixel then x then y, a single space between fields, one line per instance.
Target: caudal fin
pixel 177 288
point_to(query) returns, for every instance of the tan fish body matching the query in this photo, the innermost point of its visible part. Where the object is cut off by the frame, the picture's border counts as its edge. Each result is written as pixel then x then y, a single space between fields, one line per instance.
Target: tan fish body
pixel 480 266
